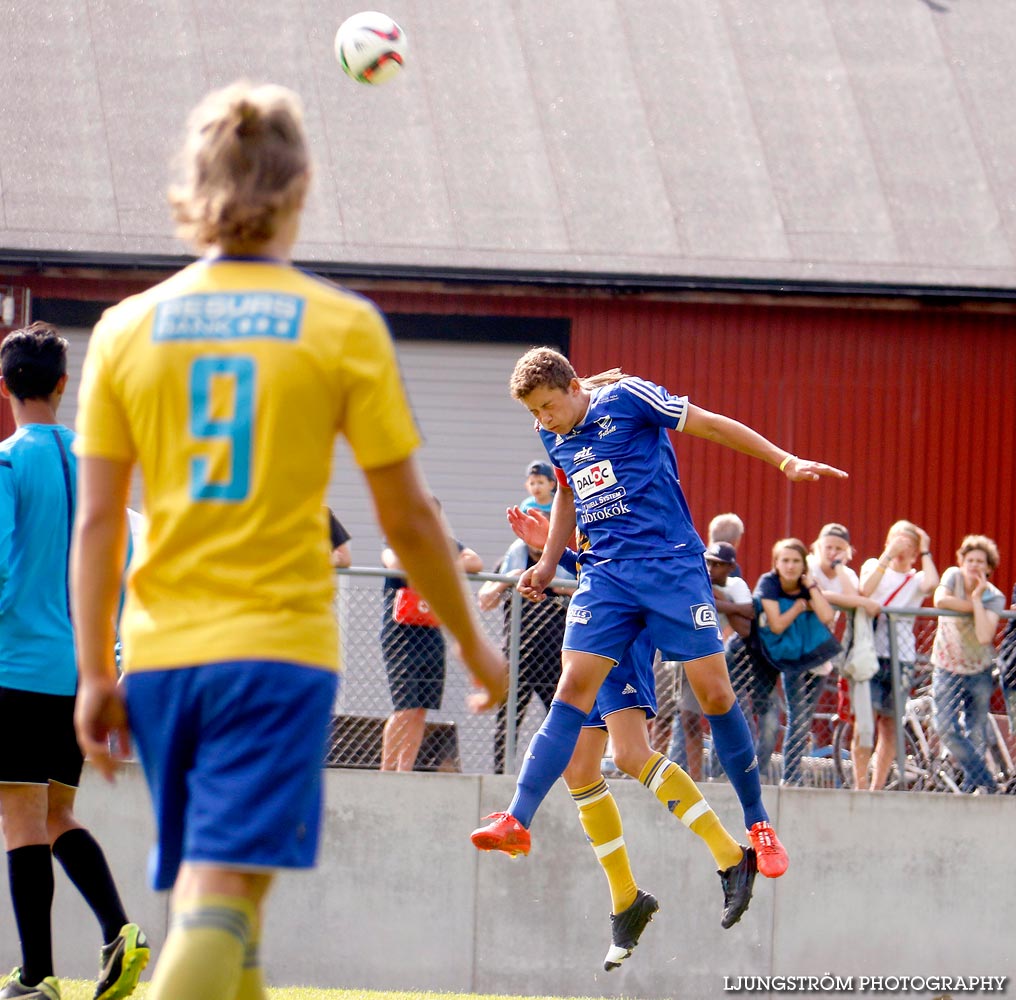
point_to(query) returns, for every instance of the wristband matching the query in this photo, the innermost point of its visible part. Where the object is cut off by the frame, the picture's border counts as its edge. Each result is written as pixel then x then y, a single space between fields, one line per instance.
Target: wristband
pixel 786 459
pixel 925 553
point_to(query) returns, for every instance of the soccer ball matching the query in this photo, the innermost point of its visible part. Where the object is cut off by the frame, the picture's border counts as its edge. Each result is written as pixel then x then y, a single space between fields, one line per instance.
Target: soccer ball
pixel 370 47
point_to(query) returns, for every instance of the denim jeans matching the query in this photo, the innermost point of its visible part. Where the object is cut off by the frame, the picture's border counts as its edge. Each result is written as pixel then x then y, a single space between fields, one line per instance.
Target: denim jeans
pixel 961 705
pixel 801 691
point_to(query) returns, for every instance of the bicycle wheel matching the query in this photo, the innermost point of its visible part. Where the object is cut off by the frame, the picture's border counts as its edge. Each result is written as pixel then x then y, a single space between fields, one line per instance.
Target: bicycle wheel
pixel 917 765
pixel 917 768
pixel 843 764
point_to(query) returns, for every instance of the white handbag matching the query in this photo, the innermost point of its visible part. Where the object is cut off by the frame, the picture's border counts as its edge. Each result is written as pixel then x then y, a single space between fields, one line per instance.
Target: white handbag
pixel 861 664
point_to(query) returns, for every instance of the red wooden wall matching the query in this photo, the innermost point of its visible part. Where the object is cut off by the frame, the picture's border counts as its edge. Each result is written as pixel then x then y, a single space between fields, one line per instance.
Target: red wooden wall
pixel 917 404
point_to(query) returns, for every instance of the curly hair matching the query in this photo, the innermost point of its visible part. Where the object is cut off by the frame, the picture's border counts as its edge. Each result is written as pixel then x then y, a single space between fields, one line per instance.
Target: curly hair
pixel 982 543
pixel 245 165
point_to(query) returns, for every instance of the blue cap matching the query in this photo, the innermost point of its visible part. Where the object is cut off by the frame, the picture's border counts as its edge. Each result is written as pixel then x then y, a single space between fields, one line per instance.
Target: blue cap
pixel 722 552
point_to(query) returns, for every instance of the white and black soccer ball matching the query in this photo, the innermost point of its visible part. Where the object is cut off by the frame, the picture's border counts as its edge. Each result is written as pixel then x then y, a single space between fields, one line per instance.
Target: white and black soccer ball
pixel 370 47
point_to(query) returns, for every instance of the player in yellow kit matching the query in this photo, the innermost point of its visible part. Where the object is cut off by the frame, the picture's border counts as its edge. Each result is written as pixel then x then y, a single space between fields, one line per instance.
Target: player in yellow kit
pixel 226 384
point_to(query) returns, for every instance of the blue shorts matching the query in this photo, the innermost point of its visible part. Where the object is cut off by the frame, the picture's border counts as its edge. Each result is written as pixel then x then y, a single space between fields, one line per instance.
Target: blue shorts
pixel 631 684
pixel 672 597
pixel 233 754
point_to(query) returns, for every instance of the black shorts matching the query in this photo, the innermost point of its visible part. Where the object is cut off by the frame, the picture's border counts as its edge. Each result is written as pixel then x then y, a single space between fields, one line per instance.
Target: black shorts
pixel 414 658
pixel 38 744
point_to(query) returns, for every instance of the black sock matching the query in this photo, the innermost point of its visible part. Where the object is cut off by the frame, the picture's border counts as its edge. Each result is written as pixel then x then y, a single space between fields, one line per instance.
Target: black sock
pixel 30 873
pixel 82 858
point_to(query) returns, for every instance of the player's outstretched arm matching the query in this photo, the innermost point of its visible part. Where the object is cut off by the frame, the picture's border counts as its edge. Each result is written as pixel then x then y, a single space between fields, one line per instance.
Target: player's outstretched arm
pixel 97 557
pixel 733 434
pixel 415 532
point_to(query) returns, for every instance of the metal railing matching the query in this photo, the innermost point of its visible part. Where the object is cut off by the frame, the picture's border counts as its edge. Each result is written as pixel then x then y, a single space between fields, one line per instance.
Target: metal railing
pixel 378 658
pixel 948 716
pixel 530 636
pixel 947 724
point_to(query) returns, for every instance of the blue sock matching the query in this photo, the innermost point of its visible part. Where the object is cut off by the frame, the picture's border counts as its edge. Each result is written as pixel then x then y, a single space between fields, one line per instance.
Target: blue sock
pixel 733 745
pixel 547 757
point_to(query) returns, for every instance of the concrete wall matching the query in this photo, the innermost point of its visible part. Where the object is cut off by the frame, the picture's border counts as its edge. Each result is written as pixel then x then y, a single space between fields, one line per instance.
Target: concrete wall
pixel 881 884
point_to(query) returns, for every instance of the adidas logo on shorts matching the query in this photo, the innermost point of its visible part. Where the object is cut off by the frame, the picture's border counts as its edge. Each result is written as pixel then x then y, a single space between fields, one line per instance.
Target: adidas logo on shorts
pixel 628 689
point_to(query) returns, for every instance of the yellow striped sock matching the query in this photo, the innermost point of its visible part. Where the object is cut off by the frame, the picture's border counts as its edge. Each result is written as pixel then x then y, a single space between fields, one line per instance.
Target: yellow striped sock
pixel 675 789
pixel 602 823
pixel 252 983
pixel 204 951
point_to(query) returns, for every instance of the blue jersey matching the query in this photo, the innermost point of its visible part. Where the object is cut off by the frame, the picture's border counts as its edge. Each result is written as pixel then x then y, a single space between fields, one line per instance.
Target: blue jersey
pixel 623 474
pixel 38 476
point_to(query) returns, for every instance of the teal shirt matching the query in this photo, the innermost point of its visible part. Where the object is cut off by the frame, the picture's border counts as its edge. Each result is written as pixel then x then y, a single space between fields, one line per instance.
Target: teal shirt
pixel 530 502
pixel 38 483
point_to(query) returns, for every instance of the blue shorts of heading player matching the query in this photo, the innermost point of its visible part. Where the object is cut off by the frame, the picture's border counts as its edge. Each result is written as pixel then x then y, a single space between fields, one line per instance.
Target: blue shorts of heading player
pixel 618 599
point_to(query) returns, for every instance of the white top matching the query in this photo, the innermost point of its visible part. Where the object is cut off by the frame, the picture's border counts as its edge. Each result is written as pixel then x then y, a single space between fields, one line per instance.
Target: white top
pixel 904 593
pixel 835 585
pixel 737 592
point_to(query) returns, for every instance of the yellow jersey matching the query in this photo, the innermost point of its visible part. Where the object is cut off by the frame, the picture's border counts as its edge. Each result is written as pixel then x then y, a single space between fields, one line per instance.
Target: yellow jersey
pixel 227 384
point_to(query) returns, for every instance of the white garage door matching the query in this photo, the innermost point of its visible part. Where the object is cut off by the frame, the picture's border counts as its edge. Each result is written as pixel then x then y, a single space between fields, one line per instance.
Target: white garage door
pixel 478 442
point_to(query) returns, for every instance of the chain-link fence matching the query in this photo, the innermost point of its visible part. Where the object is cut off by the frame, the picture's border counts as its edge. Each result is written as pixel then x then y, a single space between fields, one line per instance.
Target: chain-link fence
pixel 392 669
pixel 956 731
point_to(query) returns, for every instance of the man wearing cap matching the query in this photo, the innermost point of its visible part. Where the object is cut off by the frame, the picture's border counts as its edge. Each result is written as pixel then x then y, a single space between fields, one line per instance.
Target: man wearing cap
pixel 732 594
pixel 727 528
pixel 540 485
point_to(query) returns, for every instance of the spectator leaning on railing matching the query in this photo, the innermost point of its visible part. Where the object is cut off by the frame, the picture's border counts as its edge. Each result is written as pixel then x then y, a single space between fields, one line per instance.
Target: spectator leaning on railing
pixel 828 564
pixel 794 632
pixel 894 579
pixel 963 654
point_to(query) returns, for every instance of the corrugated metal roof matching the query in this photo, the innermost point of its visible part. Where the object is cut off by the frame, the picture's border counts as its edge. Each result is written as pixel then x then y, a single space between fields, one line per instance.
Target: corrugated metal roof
pixel 804 140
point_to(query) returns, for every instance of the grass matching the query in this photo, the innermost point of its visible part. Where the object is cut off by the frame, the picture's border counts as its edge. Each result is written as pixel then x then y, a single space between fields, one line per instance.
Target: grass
pixel 80 989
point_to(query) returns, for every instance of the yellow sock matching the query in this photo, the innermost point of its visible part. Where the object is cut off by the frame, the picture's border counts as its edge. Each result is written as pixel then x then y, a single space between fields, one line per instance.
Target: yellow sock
pixel 602 823
pixel 676 790
pixel 204 951
pixel 252 984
